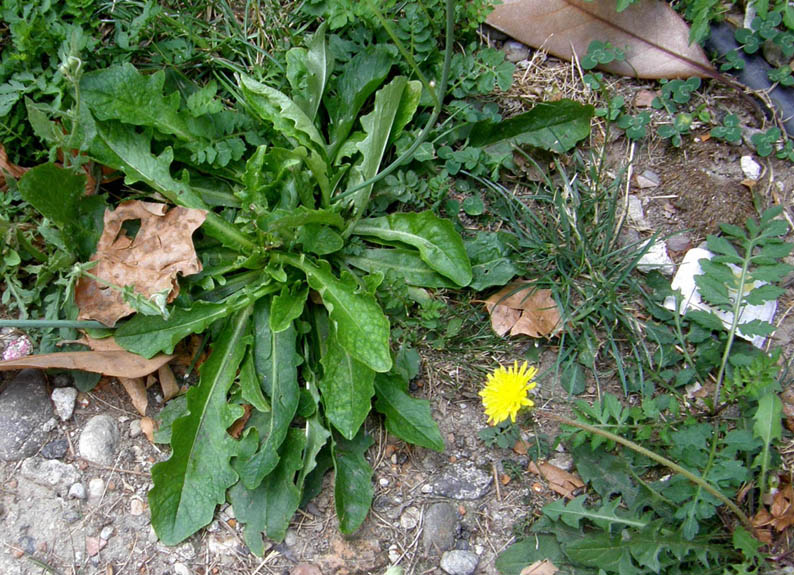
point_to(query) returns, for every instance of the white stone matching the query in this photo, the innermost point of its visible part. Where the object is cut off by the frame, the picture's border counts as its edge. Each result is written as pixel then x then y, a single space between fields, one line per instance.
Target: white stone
pixel 750 168
pixel 49 425
pixel 136 506
pixel 64 398
pixel 135 428
pixel 394 553
pixel 383 482
pixel 427 488
pixel 656 258
pixel 106 533
pixel 648 179
pixel 181 569
pixel 50 472
pixel 99 440
pixel 96 488
pixel 410 518
pixel 458 562
pixel 77 491
pixel 636 214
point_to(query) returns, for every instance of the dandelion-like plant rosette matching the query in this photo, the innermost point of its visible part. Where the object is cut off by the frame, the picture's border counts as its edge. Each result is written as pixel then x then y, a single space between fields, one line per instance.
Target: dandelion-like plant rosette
pixel 506 391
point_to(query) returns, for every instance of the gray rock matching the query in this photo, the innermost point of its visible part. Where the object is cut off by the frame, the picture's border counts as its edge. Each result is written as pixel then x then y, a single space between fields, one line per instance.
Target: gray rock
pixel 64 398
pixel 107 532
pixel 72 516
pixel 50 473
pixel 457 562
pixel 515 51
pixel 99 440
pixel 679 243
pixel 135 428
pixel 96 488
pixel 49 425
pixel 463 481
pixel 77 491
pixel 24 409
pixel 440 526
pixel 55 449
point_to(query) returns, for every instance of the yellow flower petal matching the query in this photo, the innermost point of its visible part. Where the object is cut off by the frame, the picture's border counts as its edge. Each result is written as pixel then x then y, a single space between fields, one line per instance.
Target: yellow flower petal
pixel 506 390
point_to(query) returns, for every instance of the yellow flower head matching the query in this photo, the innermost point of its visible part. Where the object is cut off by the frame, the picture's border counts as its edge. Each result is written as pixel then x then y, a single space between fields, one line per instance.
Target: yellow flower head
pixel 506 392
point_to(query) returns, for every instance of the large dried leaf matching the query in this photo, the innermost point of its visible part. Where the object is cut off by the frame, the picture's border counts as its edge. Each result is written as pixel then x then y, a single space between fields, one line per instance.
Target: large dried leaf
pixel 168 382
pixel 521 308
pixel 560 481
pixel 112 363
pixel 6 166
pixel 150 261
pixel 655 38
pixel 544 567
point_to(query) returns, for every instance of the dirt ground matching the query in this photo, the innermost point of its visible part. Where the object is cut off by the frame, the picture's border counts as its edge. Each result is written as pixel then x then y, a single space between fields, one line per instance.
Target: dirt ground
pixel 44 530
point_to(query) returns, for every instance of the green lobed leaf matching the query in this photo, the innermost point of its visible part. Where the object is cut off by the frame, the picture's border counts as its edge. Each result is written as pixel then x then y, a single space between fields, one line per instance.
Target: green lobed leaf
pixel 287 306
pixel 439 245
pixel 122 93
pixel 347 389
pixel 189 485
pixel 406 264
pixel 406 417
pixel 269 508
pixel 490 264
pixel 308 70
pixel 37 187
pixel 150 335
pixel 285 115
pixel 706 319
pixel 555 126
pixel 378 126
pixel 574 511
pixel 514 559
pixel 361 77
pixel 353 489
pixel 276 366
pixel 359 323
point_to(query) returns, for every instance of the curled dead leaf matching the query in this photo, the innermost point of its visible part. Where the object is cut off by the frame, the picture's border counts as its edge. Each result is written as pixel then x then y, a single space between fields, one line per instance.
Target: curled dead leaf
pixel 560 481
pixel 168 382
pixel 112 363
pixel 148 427
pixel 522 308
pixel 136 389
pixel 655 38
pixel 150 261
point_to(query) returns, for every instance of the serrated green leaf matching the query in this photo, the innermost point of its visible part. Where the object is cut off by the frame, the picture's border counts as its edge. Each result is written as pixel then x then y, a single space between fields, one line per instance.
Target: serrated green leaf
pixel 733 231
pixel 287 306
pixel 123 93
pixel 607 474
pixel 774 250
pixel 347 389
pixel 189 485
pixel 439 245
pixel 713 291
pixel 772 272
pixel 406 264
pixel 269 508
pixel 276 366
pixel 572 513
pixel 555 126
pixel 285 115
pixel 406 417
pixel 756 327
pixel 353 489
pixel 759 295
pixel 718 271
pixel 719 245
pixel 359 323
pixel 706 319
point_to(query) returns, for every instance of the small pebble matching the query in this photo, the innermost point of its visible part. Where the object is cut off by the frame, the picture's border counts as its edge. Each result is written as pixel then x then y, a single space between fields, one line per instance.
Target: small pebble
pixel 648 179
pixel 96 488
pixel 394 553
pixel 107 532
pixel 71 516
pixel 77 491
pixel 515 51
pixel 181 569
pixel 383 482
pixel 49 425
pixel 55 449
pixel 679 243
pixel 64 398
pixel 427 488
pixel 750 168
pixel 135 428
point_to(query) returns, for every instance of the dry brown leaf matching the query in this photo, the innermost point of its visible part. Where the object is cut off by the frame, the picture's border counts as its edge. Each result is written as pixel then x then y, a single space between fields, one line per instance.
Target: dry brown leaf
pixel 237 427
pixel 168 382
pixel 521 308
pixel 559 480
pixel 136 389
pixel 655 38
pixel 112 363
pixel 150 262
pixel 544 567
pixel 13 170
pixel 148 427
